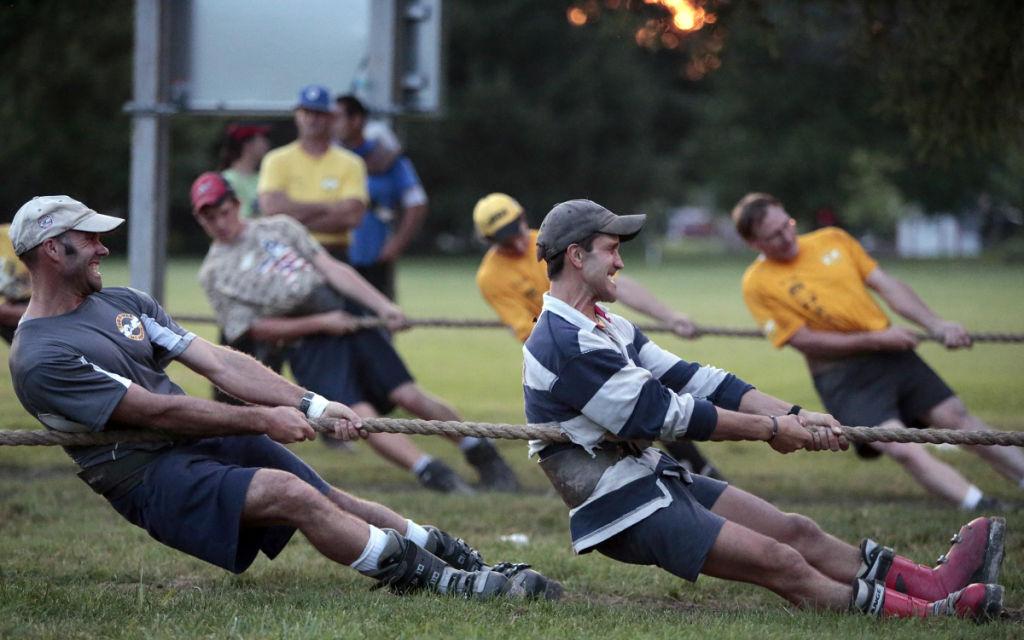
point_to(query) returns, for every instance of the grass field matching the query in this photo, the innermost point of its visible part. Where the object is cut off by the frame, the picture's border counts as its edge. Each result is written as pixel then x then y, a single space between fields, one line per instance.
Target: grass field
pixel 71 568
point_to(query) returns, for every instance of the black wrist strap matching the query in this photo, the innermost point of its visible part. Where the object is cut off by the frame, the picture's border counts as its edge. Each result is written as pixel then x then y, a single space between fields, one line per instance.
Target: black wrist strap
pixel 775 428
pixel 794 410
pixel 306 401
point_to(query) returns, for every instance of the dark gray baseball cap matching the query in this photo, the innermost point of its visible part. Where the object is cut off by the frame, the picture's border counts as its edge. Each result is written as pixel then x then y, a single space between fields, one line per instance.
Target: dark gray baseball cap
pixel 576 220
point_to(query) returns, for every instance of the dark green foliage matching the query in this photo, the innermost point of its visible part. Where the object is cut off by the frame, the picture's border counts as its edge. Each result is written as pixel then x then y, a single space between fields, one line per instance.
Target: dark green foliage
pixel 849 105
pixel 67 72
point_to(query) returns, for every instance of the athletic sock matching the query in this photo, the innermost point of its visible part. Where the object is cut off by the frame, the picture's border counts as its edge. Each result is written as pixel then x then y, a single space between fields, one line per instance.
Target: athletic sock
pixel 370 557
pixel 416 533
pixel 972 498
pixel 421 464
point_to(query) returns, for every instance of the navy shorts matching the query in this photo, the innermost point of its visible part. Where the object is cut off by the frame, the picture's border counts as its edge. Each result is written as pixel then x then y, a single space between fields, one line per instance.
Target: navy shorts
pixel 677 537
pixel 360 367
pixel 866 391
pixel 191 499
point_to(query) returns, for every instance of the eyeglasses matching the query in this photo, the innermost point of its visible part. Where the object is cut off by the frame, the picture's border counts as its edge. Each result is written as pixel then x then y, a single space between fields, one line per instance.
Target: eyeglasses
pixel 778 236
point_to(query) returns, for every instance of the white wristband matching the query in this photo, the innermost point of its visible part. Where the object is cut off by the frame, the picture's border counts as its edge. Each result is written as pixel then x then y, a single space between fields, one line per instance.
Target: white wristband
pixel 314 404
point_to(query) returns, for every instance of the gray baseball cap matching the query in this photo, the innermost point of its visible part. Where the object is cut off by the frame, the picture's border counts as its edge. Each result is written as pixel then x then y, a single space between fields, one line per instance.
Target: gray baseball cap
pixel 46 217
pixel 575 220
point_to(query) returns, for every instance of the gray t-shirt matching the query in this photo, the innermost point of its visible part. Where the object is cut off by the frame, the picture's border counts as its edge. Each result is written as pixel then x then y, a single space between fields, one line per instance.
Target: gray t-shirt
pixel 70 371
pixel 266 272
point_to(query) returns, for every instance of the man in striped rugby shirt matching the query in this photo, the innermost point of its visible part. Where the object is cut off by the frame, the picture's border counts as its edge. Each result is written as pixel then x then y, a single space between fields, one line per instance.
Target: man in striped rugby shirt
pixel 612 391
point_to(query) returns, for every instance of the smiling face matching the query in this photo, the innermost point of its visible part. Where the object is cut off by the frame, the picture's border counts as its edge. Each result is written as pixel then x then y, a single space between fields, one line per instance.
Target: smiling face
pixel 81 254
pixel 599 266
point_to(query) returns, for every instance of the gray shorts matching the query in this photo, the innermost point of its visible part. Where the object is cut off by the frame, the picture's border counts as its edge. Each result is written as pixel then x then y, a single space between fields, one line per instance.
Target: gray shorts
pixel 868 390
pixel 678 537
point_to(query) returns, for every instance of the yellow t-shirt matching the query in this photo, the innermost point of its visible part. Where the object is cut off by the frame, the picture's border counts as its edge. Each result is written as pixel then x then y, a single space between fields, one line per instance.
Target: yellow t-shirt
pixel 822 288
pixel 335 176
pixel 14 280
pixel 514 286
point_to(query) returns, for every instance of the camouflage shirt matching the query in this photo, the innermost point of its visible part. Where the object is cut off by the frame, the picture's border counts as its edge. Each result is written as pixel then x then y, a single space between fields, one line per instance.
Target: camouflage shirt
pixel 266 272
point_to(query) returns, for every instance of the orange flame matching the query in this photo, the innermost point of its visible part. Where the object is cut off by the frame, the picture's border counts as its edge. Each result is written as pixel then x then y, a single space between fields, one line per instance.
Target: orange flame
pixel 577 16
pixel 685 16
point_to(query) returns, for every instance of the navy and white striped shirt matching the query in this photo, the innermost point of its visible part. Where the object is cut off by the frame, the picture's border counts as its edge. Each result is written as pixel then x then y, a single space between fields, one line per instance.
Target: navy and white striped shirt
pixel 593 379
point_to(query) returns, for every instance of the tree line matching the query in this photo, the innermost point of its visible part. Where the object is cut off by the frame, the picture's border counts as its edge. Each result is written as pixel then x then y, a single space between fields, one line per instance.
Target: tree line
pixel 859 107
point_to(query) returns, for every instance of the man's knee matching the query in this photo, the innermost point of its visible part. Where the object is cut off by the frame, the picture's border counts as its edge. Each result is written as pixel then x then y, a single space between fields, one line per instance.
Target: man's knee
pixel 407 394
pixel 276 496
pixel 799 530
pixel 951 413
pixel 904 453
pixel 778 561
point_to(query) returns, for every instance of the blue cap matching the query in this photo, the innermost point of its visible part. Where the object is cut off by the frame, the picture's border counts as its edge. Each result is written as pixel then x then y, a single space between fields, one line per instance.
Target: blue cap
pixel 315 98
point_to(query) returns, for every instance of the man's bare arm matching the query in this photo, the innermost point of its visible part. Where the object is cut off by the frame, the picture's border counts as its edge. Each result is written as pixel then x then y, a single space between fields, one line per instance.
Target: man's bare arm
pixel 321 217
pixel 818 345
pixel 904 300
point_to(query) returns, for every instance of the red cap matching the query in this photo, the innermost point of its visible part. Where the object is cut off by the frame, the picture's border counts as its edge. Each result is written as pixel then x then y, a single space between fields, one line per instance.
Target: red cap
pixel 209 188
pixel 240 132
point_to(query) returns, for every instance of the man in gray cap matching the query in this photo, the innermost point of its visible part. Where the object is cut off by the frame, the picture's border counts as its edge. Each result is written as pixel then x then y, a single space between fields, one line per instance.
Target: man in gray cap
pixel 612 391
pixel 87 358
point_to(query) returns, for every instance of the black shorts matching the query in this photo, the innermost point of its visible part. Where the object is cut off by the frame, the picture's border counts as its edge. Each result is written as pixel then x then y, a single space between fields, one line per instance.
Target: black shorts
pixel 677 537
pixel 361 367
pixel 191 498
pixel 868 390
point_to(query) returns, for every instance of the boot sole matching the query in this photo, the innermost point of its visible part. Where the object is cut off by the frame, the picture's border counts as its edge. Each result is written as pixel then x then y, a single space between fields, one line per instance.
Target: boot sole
pixel 992 605
pixel 988 572
pixel 528 583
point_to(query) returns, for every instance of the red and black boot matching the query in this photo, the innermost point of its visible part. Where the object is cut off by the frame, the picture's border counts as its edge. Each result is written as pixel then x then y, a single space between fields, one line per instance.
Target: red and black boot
pixel 975 557
pixel 979 602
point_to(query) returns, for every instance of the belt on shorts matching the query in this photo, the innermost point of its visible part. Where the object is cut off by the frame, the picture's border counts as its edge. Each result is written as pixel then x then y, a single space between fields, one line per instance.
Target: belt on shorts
pixel 117 478
pixel 574 473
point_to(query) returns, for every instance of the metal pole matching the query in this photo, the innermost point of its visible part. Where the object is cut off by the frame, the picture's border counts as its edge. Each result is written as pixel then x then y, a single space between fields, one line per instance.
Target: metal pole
pixel 147 212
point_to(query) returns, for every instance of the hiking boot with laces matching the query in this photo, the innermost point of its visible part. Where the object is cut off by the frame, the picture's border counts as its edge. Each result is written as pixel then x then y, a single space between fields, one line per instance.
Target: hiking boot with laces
pixel 975 557
pixel 454 551
pixel 522 580
pixel 439 477
pixel 979 602
pixel 494 472
pixel 406 567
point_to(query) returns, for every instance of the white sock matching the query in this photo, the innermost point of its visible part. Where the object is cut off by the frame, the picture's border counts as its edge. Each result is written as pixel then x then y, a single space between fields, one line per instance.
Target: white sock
pixel 421 464
pixel 1022 484
pixel 972 498
pixel 469 442
pixel 416 533
pixel 370 557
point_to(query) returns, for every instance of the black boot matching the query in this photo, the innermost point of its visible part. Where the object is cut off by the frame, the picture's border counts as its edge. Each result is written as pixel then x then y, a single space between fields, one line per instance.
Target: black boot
pixel 454 551
pixel 440 477
pixel 495 474
pixel 406 567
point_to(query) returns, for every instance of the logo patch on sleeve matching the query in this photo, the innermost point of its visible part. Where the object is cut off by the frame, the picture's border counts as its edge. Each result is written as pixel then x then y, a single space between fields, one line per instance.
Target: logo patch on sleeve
pixel 130 326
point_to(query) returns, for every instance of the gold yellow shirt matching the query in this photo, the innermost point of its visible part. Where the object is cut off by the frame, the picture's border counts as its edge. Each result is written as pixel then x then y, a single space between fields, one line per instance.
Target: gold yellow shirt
pixel 514 286
pixel 14 281
pixel 822 288
pixel 335 176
